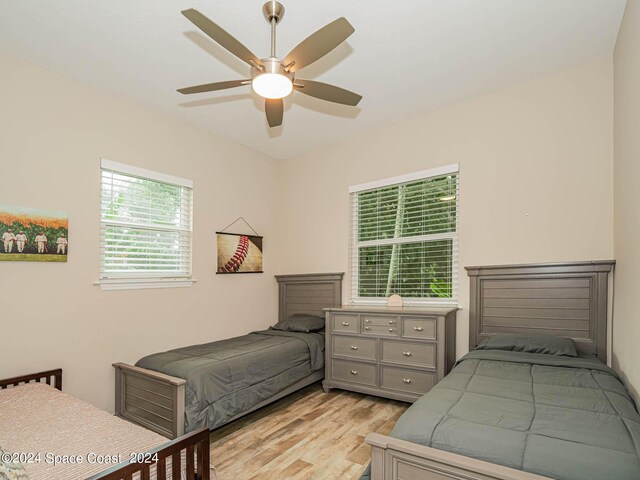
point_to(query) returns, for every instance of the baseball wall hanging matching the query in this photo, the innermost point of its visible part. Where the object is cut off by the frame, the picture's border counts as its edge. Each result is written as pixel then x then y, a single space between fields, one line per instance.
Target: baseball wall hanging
pixel 239 252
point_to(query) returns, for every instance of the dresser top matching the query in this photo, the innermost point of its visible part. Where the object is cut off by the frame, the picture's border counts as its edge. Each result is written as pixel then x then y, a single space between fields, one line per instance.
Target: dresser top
pixel 405 310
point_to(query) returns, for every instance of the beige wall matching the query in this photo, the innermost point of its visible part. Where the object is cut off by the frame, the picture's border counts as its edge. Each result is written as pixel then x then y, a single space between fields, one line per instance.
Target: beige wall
pixel 535 177
pixel 626 324
pixel 54 131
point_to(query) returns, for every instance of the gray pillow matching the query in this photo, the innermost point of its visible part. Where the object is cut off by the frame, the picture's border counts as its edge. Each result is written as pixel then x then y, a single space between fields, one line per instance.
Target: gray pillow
pixel 11 470
pixel 547 344
pixel 300 322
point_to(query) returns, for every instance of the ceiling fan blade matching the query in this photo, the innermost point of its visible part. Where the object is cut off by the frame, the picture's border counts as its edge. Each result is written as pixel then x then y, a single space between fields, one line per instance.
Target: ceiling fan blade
pixel 274 108
pixel 220 36
pixel 319 44
pixel 327 92
pixel 212 87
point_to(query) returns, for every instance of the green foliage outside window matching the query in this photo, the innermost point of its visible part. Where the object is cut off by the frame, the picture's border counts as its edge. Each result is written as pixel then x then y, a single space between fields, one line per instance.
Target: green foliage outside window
pixel 151 212
pixel 393 217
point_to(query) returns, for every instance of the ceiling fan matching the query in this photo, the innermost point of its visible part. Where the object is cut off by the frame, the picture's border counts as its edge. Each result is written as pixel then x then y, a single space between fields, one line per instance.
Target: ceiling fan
pixel 274 78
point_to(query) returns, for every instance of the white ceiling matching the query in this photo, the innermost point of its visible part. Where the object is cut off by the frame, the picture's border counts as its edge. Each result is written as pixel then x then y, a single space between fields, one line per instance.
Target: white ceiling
pixel 405 57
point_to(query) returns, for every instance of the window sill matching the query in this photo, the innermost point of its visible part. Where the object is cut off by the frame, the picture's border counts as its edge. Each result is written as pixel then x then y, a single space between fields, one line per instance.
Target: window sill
pixel 407 303
pixel 138 284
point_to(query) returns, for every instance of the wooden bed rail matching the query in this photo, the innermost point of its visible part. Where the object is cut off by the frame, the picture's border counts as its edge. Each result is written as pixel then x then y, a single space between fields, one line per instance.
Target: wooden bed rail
pixel 50 376
pixel 393 459
pixel 190 452
pixel 151 399
pixel 197 461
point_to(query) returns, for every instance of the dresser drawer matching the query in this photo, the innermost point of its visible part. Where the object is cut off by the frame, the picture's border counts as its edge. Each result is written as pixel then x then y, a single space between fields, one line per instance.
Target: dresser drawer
pixel 407 380
pixel 409 353
pixel 354 372
pixel 419 327
pixel 380 320
pixel 345 323
pixel 388 330
pixel 356 347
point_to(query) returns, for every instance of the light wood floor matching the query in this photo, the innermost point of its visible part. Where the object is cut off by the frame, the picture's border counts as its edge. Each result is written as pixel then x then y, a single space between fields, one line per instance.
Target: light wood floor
pixel 307 435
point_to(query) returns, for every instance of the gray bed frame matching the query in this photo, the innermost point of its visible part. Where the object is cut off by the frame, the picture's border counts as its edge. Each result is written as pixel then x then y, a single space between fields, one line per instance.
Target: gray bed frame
pixel 157 401
pixel 562 299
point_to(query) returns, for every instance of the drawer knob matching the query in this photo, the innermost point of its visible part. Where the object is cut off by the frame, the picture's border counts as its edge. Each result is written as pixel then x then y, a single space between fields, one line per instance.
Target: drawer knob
pixel 406 380
pixel 392 329
pixel 407 354
pixel 418 329
pixel 346 324
pixel 367 328
pixel 354 372
pixel 367 321
pixel 353 347
pixel 391 322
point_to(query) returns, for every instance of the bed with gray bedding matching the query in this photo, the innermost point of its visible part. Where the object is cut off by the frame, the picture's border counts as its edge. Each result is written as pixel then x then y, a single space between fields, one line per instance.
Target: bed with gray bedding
pixel 229 377
pixel 534 399
pixel 567 418
pixel 214 383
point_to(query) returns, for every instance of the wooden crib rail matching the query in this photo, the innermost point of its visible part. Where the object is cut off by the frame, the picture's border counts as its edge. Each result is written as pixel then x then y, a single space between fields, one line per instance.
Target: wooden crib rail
pixel 50 376
pixel 196 466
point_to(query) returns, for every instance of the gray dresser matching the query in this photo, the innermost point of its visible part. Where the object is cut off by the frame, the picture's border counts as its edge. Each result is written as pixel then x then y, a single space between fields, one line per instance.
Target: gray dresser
pixel 394 352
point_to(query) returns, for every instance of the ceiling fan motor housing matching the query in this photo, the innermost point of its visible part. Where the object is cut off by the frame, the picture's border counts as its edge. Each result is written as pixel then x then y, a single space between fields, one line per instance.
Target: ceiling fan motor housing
pixel 272 65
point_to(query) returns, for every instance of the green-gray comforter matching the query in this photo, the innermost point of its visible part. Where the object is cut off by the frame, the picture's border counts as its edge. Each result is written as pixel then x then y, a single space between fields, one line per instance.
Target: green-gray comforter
pixel 560 417
pixel 228 377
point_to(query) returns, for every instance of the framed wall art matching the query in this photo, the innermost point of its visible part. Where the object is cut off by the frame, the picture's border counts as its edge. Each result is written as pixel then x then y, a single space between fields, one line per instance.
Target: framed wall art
pixel 239 253
pixel 33 235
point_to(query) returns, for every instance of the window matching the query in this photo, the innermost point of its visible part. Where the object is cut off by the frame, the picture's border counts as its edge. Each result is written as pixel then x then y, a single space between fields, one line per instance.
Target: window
pixel 405 238
pixel 145 228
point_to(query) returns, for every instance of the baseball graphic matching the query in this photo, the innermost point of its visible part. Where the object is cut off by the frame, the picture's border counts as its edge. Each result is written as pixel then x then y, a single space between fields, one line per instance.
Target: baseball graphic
pixel 239 253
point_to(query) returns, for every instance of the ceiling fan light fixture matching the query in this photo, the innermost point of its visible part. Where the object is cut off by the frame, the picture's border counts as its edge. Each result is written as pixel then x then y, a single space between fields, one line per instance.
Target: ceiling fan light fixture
pixel 273 78
pixel 272 85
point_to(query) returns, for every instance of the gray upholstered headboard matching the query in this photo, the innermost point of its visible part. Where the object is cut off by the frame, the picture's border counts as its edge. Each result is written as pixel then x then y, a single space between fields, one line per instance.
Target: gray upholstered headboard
pixel 308 293
pixel 563 299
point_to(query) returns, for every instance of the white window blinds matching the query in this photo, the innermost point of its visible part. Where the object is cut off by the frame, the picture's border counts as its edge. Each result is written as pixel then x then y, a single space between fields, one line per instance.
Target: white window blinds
pixel 405 238
pixel 145 224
